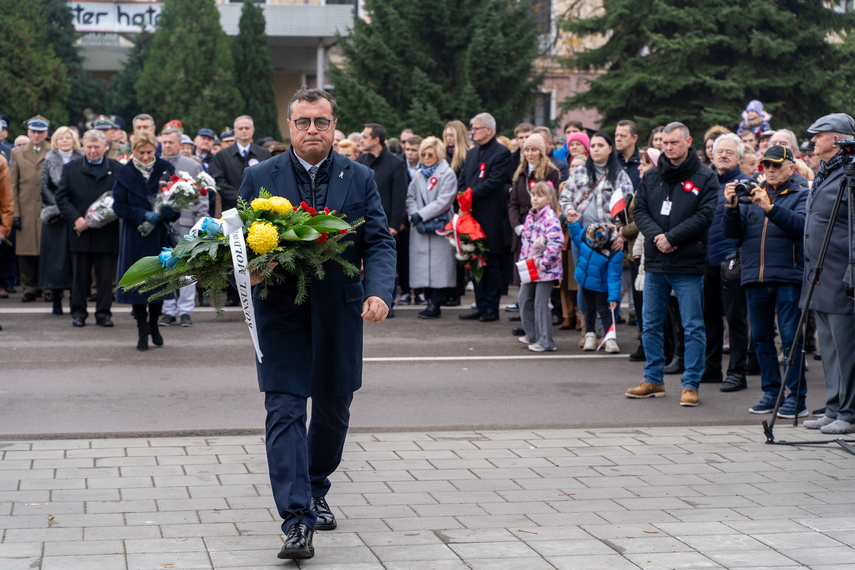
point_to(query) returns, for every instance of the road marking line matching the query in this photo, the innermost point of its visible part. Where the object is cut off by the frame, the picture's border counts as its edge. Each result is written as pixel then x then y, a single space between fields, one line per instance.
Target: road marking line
pixel 48 309
pixel 503 357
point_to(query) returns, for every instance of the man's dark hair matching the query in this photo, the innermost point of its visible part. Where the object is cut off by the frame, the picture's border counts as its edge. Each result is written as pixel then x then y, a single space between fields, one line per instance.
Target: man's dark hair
pixel 633 126
pixel 573 123
pixel 377 132
pixel 312 95
pixel 415 139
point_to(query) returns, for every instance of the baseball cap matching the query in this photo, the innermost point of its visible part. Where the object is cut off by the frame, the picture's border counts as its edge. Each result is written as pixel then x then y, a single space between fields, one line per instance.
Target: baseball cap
pixel 778 154
pixel 206 133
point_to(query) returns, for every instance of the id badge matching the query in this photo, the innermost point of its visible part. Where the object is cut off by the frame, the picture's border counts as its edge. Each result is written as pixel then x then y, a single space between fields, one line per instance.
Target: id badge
pixel 666 208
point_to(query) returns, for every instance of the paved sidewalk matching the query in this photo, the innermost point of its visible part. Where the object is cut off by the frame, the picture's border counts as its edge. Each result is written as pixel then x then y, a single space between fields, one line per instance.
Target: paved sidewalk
pixel 708 497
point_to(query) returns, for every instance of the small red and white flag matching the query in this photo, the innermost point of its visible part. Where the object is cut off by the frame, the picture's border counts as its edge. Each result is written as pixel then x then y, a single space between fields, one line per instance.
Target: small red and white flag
pixel 617 203
pixel 528 271
pixel 610 334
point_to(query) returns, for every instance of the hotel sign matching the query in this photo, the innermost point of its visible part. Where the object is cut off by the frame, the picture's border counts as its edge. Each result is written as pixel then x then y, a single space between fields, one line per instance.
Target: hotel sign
pixel 115 17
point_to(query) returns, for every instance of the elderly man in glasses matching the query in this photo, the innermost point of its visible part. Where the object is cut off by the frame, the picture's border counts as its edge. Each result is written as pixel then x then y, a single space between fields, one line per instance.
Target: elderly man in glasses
pixel 770 221
pixel 314 349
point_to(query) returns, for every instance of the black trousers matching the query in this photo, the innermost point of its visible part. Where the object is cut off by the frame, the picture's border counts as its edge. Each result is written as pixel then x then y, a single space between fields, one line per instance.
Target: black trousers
pixel 82 265
pixel 300 461
pixel 488 293
pixel 403 247
pixel 728 300
pixel 596 302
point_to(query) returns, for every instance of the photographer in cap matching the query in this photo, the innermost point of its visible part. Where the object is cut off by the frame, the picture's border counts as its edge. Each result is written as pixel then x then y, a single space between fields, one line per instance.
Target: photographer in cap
pixel 833 308
pixel 770 222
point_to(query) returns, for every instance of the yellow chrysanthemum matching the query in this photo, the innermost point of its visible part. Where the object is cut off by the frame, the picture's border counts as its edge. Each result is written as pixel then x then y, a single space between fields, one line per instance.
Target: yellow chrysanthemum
pixel 261 204
pixel 262 237
pixel 280 205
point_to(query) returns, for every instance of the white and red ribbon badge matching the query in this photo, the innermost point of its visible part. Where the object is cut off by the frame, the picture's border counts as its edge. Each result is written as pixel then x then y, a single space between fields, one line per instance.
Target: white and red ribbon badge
pixel 689 187
pixel 532 183
pixel 432 183
pixel 483 167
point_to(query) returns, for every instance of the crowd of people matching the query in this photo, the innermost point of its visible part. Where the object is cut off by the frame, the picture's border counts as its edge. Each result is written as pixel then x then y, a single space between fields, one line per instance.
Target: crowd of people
pixel 709 248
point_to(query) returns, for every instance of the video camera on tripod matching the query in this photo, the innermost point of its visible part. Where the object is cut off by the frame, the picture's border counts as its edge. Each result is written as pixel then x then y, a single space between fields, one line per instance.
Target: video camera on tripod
pixel 847 147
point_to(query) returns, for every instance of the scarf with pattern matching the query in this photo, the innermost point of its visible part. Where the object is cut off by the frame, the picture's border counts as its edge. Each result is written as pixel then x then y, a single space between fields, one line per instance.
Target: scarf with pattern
pixel 826 168
pixel 427 172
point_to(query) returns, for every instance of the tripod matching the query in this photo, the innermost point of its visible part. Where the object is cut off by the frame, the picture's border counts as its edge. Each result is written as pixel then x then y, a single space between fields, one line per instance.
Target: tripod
pixel 848 182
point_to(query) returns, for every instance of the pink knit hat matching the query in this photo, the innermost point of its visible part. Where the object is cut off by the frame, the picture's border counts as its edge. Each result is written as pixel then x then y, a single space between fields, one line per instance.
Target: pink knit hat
pixel 581 137
pixel 653 154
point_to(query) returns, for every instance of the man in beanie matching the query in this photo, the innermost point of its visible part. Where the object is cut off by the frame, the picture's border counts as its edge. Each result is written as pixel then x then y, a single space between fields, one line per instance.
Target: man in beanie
pixel 834 310
pixel 674 207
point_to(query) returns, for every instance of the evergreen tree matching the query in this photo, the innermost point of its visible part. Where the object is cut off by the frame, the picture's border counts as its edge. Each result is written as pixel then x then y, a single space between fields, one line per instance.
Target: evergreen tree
pixel 58 20
pixel 254 72
pixel 188 74
pixel 700 62
pixel 419 65
pixel 33 78
pixel 123 96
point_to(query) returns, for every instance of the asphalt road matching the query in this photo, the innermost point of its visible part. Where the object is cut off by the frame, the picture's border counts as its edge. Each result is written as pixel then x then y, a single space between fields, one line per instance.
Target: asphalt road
pixel 446 374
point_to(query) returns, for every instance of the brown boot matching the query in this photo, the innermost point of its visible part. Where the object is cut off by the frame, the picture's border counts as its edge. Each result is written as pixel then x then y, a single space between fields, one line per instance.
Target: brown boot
pixel 646 390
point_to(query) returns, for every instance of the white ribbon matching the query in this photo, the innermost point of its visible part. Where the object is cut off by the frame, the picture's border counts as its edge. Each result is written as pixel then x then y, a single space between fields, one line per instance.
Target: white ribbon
pixel 233 227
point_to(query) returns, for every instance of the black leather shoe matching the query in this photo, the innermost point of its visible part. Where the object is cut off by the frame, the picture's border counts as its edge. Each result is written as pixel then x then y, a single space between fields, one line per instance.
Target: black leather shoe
pixel 474 315
pixel 451 302
pixel 711 379
pixel 638 355
pixel 675 366
pixel 489 316
pixel 78 322
pixel 515 318
pixel 518 331
pixel 28 298
pixel 326 518
pixel 104 322
pixel 298 543
pixel 734 383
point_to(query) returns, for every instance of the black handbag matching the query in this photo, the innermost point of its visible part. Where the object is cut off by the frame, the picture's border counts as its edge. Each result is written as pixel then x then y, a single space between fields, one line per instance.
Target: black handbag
pixel 437 223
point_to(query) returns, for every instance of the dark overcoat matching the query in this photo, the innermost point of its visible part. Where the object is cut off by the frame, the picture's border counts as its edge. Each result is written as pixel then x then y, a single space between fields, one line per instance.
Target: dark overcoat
pixel 489 194
pixel 228 167
pixel 78 188
pixel 132 198
pixel 829 296
pixel 315 348
pixel 55 257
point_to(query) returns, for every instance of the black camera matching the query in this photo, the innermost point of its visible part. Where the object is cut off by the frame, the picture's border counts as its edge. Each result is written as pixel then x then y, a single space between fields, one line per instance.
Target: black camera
pixel 742 189
pixel 848 145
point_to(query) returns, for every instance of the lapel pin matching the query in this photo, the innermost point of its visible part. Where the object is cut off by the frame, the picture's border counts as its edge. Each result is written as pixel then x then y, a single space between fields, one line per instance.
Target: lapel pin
pixel 341 174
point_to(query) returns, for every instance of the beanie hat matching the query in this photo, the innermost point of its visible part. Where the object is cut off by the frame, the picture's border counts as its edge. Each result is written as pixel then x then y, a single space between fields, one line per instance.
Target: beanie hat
pixel 581 137
pixel 535 141
pixel 653 154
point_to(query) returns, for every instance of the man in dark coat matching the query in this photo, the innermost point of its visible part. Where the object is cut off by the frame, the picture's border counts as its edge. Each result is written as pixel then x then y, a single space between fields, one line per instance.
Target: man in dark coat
pixel 487 170
pixel 229 164
pixel 84 181
pixel 626 145
pixel 314 350
pixel 834 310
pixel 390 175
pixel 674 207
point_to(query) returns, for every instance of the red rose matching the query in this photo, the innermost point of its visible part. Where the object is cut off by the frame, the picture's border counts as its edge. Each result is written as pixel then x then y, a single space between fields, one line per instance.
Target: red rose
pixel 323 237
pixel 326 211
pixel 295 208
pixel 203 192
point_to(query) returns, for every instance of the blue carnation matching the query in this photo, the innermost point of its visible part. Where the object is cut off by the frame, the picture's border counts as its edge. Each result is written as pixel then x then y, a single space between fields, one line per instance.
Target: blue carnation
pixel 167 259
pixel 210 226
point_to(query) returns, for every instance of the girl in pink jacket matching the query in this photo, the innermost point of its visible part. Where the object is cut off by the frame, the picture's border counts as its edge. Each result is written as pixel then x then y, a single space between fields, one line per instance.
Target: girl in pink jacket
pixel 540 266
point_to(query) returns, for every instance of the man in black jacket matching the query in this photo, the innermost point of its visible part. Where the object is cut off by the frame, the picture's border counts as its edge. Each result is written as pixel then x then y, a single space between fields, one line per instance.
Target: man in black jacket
pixel 84 181
pixel 674 207
pixel 390 175
pixel 229 164
pixel 487 170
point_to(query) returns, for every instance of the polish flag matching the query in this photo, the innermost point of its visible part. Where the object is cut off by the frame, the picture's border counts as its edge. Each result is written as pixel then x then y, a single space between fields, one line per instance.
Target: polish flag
pixel 610 334
pixel 617 203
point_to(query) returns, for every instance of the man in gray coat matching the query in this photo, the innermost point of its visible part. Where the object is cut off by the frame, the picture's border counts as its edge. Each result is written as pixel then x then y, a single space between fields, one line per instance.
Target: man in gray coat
pixel 833 308
pixel 182 306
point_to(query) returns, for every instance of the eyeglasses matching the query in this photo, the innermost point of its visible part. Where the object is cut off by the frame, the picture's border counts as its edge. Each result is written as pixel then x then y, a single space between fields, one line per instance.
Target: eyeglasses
pixel 427 155
pixel 767 164
pixel 321 124
pixel 477 128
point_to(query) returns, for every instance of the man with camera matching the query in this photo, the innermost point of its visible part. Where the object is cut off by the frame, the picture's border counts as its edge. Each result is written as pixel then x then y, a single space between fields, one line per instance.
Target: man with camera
pixel 833 308
pixel 770 222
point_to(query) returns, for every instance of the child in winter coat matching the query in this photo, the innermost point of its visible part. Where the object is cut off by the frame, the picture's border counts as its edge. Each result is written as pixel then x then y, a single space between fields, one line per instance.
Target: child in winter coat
pixel 598 272
pixel 755 119
pixel 540 261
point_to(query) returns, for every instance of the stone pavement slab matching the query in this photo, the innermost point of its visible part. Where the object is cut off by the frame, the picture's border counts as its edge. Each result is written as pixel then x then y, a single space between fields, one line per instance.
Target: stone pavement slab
pixel 705 497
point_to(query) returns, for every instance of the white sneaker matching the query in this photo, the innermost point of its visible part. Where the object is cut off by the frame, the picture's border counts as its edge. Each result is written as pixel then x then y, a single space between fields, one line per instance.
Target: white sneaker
pixel 537 348
pixel 612 346
pixel 524 340
pixel 838 426
pixel 818 423
pixel 590 342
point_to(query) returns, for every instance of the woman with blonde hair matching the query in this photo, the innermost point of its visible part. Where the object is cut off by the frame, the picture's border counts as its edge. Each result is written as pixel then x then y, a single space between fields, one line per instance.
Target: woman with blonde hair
pixel 457 142
pixel 430 199
pixel 55 270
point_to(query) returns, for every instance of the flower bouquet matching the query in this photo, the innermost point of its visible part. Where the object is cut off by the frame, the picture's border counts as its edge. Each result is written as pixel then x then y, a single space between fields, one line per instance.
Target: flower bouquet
pixel 297 238
pixel 100 212
pixel 467 237
pixel 179 192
